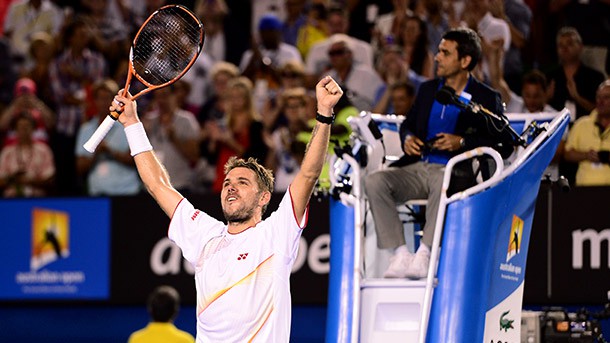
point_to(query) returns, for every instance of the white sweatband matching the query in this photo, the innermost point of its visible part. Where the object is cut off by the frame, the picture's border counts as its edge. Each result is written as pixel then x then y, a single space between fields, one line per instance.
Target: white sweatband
pixel 137 139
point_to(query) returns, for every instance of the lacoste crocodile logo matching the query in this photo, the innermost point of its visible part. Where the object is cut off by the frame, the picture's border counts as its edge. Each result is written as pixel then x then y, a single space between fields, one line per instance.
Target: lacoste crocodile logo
pixel 506 323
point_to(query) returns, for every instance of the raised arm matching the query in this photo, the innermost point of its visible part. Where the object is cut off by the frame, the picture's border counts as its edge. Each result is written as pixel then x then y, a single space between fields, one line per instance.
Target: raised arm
pixel 153 174
pixel 328 94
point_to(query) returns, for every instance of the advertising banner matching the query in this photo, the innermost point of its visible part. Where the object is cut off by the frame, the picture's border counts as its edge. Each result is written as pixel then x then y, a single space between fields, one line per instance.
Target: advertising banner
pixel 143 257
pixel 55 249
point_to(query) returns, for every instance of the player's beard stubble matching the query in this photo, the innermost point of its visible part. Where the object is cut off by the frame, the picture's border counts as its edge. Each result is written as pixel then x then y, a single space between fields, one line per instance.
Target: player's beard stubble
pixel 240 215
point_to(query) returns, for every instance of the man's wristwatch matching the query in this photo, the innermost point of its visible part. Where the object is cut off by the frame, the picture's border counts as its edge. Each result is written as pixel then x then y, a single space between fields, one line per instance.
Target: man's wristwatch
pixel 324 119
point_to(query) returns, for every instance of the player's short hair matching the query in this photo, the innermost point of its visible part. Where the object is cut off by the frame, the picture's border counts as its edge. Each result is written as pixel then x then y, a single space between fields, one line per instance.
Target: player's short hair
pixel 264 176
pixel 163 304
pixel 468 44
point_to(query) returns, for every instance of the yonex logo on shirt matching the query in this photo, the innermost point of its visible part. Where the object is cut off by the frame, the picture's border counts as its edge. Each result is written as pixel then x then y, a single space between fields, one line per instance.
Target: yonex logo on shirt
pixel 242 256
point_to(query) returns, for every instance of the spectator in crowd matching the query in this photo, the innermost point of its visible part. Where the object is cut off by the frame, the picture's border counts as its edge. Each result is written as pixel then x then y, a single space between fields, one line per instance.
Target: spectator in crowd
pixel 477 16
pixel 534 86
pixel 110 170
pixel 413 40
pixel 572 83
pixel 200 83
pixel 286 152
pixel 26 17
pixel 26 101
pixel 399 100
pixel 42 52
pixel 212 13
pixel 292 75
pixel 589 142
pixel 295 20
pixel 518 16
pixel 318 62
pixel 242 133
pixel 389 26
pixel 26 167
pixel 174 133
pixel 314 30
pixel 9 74
pixel 163 306
pixel 448 131
pixel 213 111
pixel 359 82
pixel 260 63
pixel 393 69
pixel 72 73
pixel 437 21
pixel 108 32
pixel 590 19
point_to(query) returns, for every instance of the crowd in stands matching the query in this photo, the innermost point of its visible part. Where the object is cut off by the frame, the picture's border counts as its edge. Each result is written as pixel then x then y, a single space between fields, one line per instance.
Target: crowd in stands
pixel 251 91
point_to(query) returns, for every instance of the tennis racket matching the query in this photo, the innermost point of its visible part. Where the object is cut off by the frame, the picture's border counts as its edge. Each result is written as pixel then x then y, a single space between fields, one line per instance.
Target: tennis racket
pixel 163 50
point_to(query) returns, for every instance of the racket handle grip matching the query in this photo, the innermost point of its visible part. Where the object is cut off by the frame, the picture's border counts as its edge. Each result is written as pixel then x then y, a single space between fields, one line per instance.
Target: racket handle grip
pixel 99 134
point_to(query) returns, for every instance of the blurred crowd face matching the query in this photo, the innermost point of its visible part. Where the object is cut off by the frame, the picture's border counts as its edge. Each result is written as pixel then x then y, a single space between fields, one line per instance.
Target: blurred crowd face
pixel 165 100
pixel 569 48
pixel 411 31
pixel 237 99
pixel 340 56
pixel 602 100
pixel 534 97
pixel 220 82
pixel 294 109
pixel 291 79
pixel 294 8
pixel 102 98
pixel 336 23
pixel 402 101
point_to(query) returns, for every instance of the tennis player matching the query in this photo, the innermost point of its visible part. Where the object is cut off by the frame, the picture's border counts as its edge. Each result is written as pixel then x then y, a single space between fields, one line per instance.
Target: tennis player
pixel 242 268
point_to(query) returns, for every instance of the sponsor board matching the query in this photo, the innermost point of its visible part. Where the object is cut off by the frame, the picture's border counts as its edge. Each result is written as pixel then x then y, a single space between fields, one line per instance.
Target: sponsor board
pixel 58 249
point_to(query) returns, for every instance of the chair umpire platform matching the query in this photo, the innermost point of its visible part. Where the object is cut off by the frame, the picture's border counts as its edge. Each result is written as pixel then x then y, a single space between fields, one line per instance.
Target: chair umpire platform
pixel 473 284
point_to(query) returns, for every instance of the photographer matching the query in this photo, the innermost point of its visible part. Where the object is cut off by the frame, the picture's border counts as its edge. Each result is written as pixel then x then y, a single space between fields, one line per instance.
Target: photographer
pixel 589 142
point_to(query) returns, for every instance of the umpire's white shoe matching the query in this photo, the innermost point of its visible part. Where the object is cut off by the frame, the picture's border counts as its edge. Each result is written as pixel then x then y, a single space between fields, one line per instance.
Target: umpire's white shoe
pixel 418 269
pixel 398 265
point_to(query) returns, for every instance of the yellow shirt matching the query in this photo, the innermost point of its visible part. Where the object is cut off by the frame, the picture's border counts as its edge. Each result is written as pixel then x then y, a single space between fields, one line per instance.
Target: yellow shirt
pixel 585 136
pixel 156 332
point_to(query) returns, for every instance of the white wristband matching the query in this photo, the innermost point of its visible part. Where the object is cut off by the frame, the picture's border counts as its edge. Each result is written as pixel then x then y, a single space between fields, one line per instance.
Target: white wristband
pixel 137 139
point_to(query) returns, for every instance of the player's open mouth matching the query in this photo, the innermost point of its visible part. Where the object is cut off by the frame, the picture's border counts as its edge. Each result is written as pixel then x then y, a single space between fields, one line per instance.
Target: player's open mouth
pixel 231 199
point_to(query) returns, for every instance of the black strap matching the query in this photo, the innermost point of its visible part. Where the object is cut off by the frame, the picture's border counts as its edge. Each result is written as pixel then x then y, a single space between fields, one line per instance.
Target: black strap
pixel 324 119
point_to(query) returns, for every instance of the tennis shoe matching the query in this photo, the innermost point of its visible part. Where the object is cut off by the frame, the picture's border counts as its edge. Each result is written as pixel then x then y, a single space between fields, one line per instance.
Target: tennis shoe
pixel 398 265
pixel 418 269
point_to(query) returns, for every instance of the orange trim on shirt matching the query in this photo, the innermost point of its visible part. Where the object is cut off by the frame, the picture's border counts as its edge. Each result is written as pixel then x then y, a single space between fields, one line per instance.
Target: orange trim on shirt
pixel 261 326
pixel 220 293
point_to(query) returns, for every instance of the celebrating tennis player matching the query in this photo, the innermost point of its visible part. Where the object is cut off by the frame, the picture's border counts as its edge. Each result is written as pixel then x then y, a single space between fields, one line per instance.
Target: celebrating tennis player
pixel 242 268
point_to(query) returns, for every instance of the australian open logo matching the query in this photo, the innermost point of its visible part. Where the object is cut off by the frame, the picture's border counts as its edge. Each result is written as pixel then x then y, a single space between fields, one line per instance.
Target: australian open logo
pixel 515 237
pixel 514 240
pixel 50 243
pixel 50 237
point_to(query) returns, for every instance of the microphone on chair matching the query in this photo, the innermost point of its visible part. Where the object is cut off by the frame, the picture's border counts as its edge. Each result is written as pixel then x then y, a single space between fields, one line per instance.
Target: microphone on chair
pixel 446 96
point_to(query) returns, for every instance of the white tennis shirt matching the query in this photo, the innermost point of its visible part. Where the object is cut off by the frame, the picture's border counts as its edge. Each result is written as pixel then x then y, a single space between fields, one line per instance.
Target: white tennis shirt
pixel 242 280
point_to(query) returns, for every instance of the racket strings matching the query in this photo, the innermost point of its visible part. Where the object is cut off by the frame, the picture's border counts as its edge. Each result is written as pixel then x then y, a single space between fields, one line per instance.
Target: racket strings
pixel 166 45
